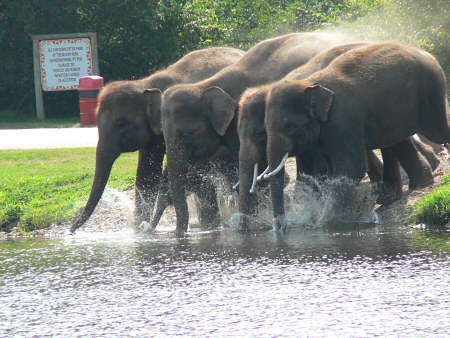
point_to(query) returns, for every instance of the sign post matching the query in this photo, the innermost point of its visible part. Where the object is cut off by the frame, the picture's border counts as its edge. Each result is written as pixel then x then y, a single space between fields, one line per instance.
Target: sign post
pixel 60 60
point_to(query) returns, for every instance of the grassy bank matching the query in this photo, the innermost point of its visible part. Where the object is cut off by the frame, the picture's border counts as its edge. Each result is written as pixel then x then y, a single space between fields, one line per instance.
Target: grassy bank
pixel 434 208
pixel 40 187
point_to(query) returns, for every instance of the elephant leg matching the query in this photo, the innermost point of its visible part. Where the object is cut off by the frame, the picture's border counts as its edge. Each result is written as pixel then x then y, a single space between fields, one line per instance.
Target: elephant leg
pixel 414 163
pixel 163 200
pixel 207 208
pixel 348 159
pixel 147 182
pixel 427 151
pixel 312 163
pixel 374 167
pixel 434 146
pixel 392 180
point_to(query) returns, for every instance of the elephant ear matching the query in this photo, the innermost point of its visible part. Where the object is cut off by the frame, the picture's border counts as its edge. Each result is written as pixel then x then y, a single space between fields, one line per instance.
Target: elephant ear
pixel 221 108
pixel 320 104
pixel 153 97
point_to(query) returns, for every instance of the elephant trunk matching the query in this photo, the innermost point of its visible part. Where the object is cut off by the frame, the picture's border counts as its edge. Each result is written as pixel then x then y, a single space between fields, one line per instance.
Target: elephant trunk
pixel 103 165
pixel 277 151
pixel 177 170
pixel 248 161
pixel 163 199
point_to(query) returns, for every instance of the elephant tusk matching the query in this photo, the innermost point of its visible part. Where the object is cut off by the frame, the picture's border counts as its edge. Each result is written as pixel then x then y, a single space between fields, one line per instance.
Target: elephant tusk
pixel 261 177
pixel 255 175
pixel 234 187
pixel 277 169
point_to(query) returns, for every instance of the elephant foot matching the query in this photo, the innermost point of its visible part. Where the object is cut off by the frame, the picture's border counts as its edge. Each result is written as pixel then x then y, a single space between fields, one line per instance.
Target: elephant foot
pixel 389 195
pixel 279 223
pixel 422 183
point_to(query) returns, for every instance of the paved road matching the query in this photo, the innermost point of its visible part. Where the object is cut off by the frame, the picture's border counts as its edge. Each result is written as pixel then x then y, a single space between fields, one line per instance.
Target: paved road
pixel 45 138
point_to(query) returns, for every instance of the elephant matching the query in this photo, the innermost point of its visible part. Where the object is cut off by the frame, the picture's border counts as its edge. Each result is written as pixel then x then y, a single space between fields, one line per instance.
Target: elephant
pixel 200 117
pixel 253 142
pixel 368 98
pixel 197 182
pixel 125 125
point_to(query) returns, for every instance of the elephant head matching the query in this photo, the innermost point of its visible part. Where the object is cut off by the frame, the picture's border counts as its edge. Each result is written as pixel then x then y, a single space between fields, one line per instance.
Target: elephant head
pixel 294 114
pixel 123 126
pixel 194 124
pixel 253 141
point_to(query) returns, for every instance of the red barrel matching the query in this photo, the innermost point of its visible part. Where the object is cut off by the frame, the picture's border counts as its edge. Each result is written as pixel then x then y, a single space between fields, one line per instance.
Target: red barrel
pixel 88 89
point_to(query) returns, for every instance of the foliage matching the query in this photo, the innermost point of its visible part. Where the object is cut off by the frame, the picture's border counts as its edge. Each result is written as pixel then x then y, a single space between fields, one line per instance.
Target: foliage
pixel 137 37
pixel 421 22
pixel 434 208
pixel 40 187
pixel 149 35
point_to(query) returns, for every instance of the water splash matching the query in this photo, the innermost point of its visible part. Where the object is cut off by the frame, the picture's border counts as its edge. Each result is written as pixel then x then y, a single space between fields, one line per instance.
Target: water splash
pixel 319 202
pixel 114 212
pixel 316 203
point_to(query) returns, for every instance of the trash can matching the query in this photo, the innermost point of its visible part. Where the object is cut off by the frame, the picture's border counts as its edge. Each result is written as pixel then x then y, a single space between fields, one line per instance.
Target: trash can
pixel 88 89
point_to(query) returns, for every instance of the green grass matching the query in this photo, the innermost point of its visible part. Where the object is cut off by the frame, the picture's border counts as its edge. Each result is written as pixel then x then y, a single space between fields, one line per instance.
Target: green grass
pixel 67 122
pixel 41 187
pixel 434 208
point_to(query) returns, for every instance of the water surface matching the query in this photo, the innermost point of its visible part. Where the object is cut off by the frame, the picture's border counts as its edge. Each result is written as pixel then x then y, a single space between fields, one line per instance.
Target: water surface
pixel 383 280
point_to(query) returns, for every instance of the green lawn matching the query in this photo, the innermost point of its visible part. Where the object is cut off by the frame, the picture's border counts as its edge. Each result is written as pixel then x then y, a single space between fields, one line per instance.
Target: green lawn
pixel 68 122
pixel 40 187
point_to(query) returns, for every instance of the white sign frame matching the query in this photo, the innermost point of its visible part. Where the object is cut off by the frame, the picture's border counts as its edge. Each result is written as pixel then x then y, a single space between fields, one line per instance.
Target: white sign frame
pixel 43 70
pixel 64 62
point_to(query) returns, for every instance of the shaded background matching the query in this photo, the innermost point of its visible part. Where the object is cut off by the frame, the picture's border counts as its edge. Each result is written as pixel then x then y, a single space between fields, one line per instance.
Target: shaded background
pixel 137 37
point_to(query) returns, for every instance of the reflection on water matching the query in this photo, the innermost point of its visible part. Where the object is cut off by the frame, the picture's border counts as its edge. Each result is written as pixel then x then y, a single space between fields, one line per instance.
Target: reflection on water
pixel 384 280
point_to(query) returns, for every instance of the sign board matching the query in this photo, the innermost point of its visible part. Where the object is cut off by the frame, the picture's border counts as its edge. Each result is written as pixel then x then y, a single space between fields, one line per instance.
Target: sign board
pixel 64 62
pixel 60 60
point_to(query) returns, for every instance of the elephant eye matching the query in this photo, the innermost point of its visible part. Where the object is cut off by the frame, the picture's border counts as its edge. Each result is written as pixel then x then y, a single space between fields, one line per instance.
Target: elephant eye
pixel 289 128
pixel 260 134
pixel 121 123
pixel 186 136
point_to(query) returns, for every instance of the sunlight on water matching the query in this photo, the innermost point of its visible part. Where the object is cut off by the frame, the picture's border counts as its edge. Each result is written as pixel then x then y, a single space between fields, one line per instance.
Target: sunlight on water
pixel 226 284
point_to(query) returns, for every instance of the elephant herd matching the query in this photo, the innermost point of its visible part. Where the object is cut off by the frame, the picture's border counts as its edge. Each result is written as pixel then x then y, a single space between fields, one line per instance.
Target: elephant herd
pixel 327 101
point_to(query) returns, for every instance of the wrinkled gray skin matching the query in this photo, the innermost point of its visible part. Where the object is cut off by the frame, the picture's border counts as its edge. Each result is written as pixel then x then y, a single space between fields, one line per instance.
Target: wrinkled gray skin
pixel 368 98
pixel 125 124
pixel 253 143
pixel 199 118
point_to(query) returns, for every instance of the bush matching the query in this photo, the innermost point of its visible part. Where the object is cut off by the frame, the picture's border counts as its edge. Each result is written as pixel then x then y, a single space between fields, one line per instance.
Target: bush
pixel 149 35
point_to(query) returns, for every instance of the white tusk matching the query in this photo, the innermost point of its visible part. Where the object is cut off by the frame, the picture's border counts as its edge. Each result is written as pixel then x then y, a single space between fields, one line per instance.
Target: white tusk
pixel 277 169
pixel 255 175
pixel 260 177
pixel 235 186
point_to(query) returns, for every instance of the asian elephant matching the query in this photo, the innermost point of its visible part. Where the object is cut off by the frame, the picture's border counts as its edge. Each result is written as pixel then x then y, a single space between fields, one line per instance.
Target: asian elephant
pixel 200 117
pixel 253 142
pixel 125 125
pixel 197 182
pixel 368 98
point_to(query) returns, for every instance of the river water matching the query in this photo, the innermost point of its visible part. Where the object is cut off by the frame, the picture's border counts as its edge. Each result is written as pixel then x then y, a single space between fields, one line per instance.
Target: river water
pixel 338 270
pixel 382 280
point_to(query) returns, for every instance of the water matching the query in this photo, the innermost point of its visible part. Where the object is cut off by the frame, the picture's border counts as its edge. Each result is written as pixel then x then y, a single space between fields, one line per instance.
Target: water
pixel 383 280
pixel 337 271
